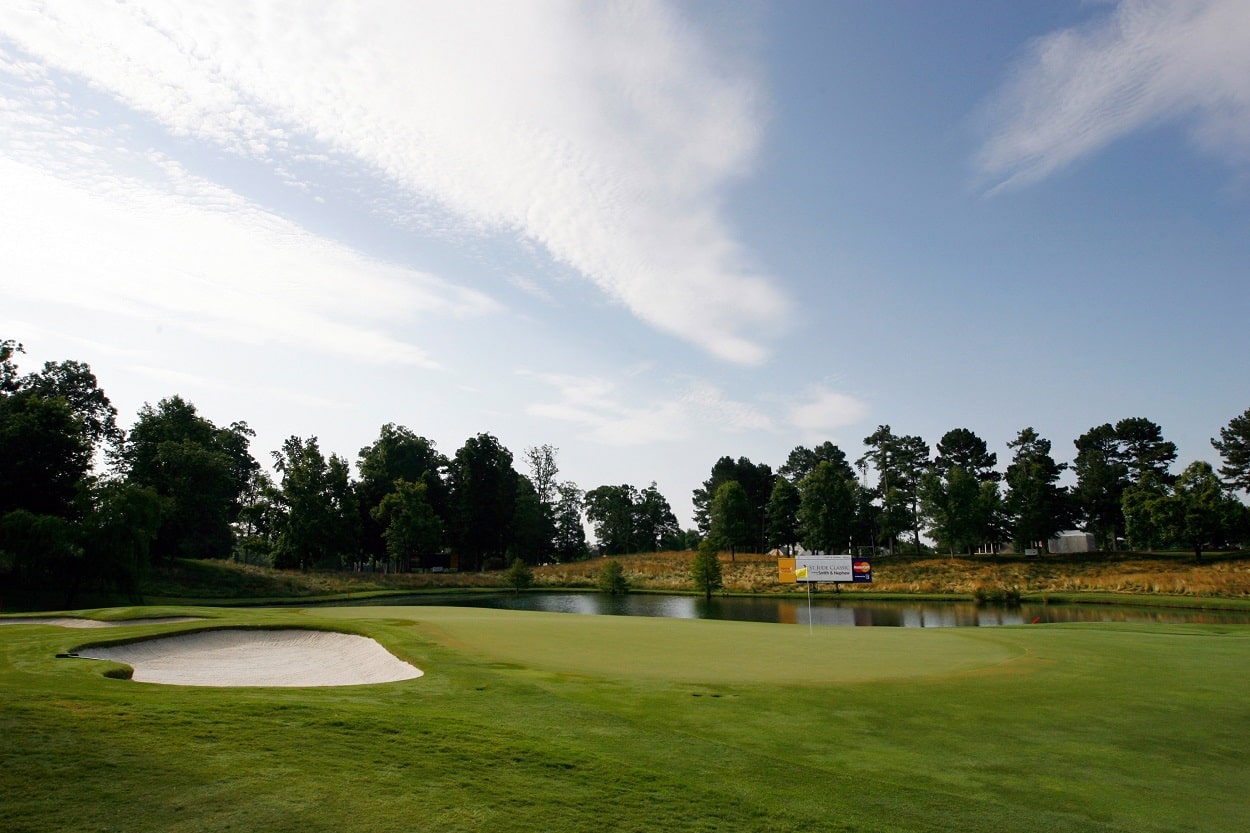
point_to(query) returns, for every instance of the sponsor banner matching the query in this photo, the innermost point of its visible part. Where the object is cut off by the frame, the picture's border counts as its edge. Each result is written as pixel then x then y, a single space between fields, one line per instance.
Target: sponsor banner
pixel 824 568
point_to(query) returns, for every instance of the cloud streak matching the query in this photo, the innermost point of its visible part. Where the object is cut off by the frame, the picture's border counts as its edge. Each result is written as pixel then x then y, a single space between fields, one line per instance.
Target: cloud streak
pixel 1145 63
pixel 97 221
pixel 694 408
pixel 608 133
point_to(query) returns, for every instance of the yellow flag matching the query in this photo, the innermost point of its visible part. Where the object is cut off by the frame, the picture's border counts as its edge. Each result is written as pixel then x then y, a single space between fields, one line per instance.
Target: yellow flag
pixel 801 572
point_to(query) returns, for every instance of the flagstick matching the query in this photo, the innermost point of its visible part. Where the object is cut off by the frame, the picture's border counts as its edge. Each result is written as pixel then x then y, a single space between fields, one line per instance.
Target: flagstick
pixel 809 608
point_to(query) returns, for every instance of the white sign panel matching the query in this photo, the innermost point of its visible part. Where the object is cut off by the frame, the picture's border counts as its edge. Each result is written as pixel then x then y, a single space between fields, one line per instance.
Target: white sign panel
pixel 824 568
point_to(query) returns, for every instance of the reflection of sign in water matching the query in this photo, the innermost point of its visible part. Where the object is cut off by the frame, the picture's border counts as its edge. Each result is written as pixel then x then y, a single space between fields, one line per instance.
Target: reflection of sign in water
pixel 824 568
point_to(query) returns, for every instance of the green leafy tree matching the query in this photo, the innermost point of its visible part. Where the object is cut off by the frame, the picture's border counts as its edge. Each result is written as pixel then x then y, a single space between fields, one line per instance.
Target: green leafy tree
pixel 783 515
pixel 1036 506
pixel 570 534
pixel 612 579
pixel 1234 448
pixel 654 521
pixel 533 527
pixel 320 521
pixel 1148 513
pixel 74 382
pixel 610 510
pixel 960 509
pixel 827 506
pixel 732 518
pixel 202 473
pixel 1206 515
pixel 543 472
pixel 42 551
pixel 483 500
pixel 8 368
pixel 45 455
pixel 705 570
pixel 397 454
pixel 117 534
pixel 410 526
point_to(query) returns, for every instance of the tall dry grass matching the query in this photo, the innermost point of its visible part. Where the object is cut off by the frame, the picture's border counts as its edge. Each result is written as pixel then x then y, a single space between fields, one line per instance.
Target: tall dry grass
pixel 754 573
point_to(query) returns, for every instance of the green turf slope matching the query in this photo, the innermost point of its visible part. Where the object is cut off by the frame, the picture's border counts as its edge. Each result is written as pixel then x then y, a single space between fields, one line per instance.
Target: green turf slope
pixel 556 722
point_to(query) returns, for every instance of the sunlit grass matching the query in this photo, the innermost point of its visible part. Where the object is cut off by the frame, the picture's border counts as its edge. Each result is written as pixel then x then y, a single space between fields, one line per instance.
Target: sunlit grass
pixel 548 722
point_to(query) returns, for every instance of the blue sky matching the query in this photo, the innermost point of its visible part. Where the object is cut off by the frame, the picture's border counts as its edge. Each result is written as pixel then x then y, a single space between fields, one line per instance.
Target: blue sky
pixel 649 234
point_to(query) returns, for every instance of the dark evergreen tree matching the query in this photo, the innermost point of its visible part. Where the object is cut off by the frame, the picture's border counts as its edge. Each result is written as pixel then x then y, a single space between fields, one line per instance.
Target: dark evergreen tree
pixel 827 506
pixel 1234 448
pixel 783 515
pixel 755 479
pixel 1037 507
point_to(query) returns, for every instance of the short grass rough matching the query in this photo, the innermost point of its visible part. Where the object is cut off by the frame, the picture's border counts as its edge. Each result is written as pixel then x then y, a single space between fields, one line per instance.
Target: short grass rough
pixel 555 722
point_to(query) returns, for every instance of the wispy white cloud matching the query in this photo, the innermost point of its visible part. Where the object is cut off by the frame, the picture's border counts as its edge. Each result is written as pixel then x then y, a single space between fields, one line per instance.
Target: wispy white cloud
pixel 608 133
pixel 96 222
pixel 611 415
pixel 1138 65
pixel 822 411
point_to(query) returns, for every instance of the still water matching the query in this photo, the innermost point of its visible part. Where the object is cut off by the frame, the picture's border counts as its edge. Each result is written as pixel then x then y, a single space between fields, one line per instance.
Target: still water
pixel 828 611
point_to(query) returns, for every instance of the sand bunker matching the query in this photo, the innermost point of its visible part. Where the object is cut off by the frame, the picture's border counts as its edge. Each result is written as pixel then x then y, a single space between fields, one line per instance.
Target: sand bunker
pixel 79 622
pixel 246 657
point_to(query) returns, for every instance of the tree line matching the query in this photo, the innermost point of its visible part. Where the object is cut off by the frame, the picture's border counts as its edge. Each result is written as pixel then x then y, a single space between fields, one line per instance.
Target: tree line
pixel 1125 494
pixel 84 504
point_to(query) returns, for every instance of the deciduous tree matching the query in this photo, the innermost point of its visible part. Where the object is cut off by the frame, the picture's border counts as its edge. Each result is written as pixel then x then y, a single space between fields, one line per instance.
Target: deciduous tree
pixel 320 520
pixel 483 498
pixel 570 534
pixel 410 527
pixel 397 454
pixel 202 473
pixel 610 510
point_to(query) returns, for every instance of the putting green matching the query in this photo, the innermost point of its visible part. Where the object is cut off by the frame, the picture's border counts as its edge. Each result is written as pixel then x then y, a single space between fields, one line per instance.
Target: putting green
pixel 700 651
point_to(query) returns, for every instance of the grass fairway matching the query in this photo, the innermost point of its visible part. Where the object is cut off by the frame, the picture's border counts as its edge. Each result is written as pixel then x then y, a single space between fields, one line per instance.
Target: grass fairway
pixel 555 722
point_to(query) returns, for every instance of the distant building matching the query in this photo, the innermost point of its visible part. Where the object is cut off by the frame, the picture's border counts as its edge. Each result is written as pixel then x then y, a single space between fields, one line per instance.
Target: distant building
pixel 1071 540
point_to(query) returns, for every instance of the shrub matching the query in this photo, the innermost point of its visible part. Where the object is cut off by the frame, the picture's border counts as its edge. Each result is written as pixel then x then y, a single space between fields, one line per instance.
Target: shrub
pixel 998 594
pixel 612 578
pixel 520 576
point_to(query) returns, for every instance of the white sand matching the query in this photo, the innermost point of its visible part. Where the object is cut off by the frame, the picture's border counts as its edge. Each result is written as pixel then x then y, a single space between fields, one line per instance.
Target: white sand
pixel 246 657
pixel 79 622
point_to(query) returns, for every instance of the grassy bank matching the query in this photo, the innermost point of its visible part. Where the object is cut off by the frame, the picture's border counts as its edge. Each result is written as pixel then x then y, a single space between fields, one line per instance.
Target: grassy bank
pixel 548 722
pixel 1166 579
pixel 1163 575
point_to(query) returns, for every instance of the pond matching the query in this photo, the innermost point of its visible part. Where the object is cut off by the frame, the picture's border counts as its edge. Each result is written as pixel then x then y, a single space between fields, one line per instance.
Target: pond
pixel 829 611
